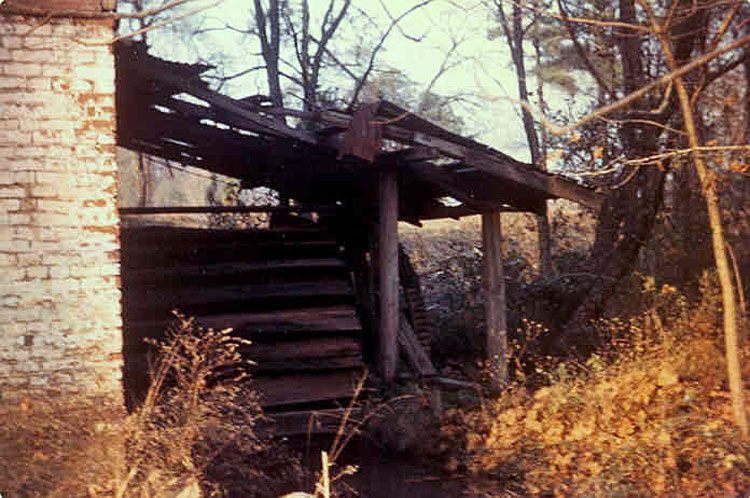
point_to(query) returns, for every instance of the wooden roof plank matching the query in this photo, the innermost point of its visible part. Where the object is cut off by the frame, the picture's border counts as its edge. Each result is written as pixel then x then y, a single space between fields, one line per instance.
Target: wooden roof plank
pixel 462 192
pixel 527 186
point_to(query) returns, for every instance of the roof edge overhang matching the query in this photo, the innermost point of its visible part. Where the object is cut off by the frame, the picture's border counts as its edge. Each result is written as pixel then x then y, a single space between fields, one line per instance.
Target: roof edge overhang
pixel 480 177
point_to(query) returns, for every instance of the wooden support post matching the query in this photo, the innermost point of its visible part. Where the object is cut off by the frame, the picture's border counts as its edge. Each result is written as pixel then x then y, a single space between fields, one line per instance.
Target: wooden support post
pixel 494 295
pixel 388 269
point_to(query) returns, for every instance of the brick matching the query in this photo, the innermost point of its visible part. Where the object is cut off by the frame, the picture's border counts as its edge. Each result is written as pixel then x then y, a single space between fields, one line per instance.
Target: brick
pixel 59 272
pixel 24 177
pixel 14 137
pixel 14 245
pixel 84 57
pixel 9 205
pixel 12 192
pixel 56 192
pixel 64 30
pixel 11 41
pixel 19 218
pixel 8 82
pixel 50 205
pixel 81 86
pixel 21 69
pixel 49 190
pixel 52 137
pixel 10 124
pixel 23 232
pixel 25 260
pixel 37 272
pixel 40 83
pixel 55 219
pixel 53 70
pixel 25 55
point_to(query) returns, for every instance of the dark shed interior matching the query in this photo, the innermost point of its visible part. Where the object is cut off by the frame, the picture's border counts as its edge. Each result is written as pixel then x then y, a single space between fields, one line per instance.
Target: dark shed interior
pixel 307 290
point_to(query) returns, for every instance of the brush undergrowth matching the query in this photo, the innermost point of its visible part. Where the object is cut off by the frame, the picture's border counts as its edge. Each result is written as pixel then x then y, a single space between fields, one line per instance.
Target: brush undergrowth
pixel 649 415
pixel 195 429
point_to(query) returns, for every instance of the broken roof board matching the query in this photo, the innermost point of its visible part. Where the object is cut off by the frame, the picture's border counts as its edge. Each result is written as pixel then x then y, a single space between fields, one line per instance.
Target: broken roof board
pixel 253 143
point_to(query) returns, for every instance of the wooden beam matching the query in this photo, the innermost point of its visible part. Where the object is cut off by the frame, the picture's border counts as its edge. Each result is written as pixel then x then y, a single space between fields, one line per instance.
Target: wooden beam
pixel 473 194
pixel 220 209
pixel 439 178
pixel 388 269
pixel 410 130
pixel 439 212
pixel 527 175
pixel 494 290
pixel 199 89
pixel 415 354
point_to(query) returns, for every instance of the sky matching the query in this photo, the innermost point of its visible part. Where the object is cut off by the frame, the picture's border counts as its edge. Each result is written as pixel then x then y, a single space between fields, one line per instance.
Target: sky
pixel 481 67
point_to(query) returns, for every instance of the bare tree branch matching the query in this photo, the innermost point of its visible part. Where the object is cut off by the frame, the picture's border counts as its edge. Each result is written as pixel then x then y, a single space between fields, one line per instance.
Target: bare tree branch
pixel 445 66
pixel 579 49
pixel 268 33
pixel 325 36
pixel 224 79
pixel 17 8
pixel 344 67
pixel 594 22
pixel 371 63
pixel 645 89
pixel 398 26
pixel 148 28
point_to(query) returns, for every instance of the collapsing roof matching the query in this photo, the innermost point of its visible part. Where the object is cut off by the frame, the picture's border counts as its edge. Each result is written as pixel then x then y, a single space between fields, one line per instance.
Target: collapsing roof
pixel 165 109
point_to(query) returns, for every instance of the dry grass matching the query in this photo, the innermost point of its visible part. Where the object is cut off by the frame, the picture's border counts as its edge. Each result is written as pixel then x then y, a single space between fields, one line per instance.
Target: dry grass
pixel 54 448
pixel 648 416
pixel 194 429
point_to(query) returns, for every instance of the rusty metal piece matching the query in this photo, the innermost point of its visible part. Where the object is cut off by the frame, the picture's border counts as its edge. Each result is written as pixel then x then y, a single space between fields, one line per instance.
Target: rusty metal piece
pixel 365 135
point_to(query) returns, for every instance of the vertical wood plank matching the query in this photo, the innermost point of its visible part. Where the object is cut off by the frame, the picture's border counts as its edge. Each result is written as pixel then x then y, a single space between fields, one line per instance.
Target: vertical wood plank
pixel 388 270
pixel 494 294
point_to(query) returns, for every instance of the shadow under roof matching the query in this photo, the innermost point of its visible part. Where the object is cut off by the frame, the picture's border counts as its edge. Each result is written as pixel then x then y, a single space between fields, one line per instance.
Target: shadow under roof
pixel 165 109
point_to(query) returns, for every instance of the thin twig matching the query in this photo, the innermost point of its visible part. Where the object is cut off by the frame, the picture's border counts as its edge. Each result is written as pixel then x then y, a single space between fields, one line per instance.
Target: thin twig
pixel 683 152
pixel 632 97
pixel 44 21
pixel 627 179
pixel 371 63
pixel 12 7
pixel 649 122
pixel 158 24
pixel 398 118
pixel 594 22
pixel 740 292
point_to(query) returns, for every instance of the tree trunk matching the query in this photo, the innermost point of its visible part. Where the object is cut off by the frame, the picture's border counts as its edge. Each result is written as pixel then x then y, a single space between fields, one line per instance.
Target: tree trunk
pixel 729 303
pixel 269 32
pixel 514 34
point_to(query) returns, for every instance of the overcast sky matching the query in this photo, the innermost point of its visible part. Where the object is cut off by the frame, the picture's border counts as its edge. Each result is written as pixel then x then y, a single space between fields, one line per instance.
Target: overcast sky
pixel 483 72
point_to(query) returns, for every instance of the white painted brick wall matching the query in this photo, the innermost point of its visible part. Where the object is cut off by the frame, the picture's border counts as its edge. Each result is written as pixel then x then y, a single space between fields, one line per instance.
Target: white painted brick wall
pixel 60 323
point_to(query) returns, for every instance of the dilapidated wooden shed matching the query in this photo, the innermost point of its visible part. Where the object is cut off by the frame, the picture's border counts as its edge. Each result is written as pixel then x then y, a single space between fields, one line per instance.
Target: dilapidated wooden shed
pixel 319 297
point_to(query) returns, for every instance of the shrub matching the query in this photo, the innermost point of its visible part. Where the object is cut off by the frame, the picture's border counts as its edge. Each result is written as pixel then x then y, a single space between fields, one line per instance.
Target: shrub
pixel 196 428
pixel 198 417
pixel 647 416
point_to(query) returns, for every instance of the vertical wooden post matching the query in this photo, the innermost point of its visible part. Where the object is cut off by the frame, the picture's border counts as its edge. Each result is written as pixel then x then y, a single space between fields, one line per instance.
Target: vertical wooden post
pixel 494 295
pixel 388 269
